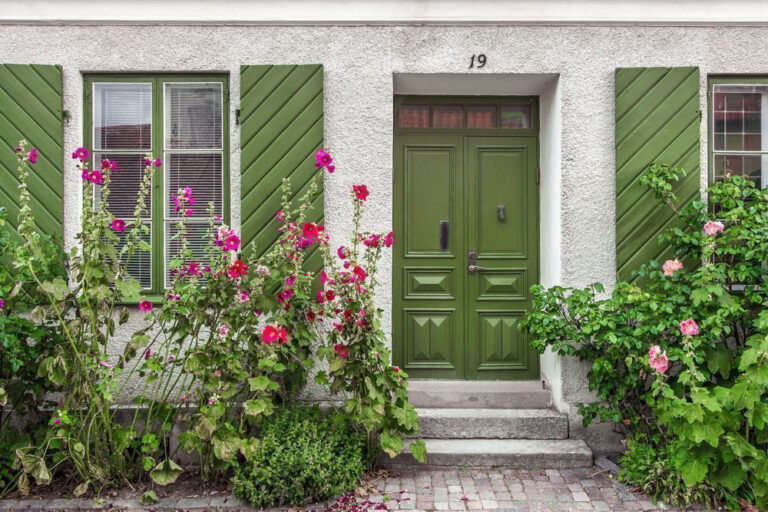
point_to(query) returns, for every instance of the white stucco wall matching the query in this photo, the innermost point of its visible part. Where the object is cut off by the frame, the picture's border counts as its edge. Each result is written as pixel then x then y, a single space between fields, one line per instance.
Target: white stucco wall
pixel 360 62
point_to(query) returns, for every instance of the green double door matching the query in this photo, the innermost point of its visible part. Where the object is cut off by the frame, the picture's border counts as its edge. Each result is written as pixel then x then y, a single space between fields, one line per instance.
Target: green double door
pixel 466 209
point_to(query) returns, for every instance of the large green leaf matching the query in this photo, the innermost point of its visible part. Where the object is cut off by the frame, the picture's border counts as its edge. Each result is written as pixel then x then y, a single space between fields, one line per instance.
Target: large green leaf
pixel 166 472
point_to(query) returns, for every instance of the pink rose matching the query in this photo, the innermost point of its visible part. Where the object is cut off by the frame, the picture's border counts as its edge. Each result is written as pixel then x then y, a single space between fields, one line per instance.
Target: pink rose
pixel 713 227
pixel 689 327
pixel 671 266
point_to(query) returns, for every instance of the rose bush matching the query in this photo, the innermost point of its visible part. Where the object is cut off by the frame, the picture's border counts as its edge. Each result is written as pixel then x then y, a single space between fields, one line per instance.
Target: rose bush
pixel 232 338
pixel 678 356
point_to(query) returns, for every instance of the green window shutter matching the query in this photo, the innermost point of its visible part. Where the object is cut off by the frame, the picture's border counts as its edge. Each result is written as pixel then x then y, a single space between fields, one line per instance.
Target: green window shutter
pixel 657 121
pixel 31 109
pixel 281 118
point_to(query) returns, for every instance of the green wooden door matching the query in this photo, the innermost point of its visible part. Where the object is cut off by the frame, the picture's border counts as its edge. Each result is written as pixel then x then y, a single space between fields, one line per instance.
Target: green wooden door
pixel 459 196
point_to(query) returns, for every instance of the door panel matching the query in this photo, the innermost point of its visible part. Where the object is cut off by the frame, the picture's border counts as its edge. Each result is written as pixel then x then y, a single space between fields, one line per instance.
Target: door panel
pixel 450 322
pixel 429 287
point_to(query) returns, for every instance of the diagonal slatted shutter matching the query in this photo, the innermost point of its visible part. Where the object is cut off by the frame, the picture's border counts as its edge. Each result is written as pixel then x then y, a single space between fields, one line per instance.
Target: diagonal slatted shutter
pixel 31 109
pixel 657 121
pixel 281 129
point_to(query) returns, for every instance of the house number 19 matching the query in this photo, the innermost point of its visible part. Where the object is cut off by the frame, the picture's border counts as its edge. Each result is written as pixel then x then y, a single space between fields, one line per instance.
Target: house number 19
pixel 480 59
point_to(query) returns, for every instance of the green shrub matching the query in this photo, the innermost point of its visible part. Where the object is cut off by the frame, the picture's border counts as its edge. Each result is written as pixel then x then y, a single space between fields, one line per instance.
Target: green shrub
pixel 303 456
pixel 679 356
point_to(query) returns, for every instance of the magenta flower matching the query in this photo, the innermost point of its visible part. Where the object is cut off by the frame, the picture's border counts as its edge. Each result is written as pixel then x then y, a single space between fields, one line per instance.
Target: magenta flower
pixel 280 215
pixel 322 158
pixel 389 240
pixel 671 266
pixel 689 327
pixel 361 192
pixel 189 212
pixel 147 353
pixel 2 304
pixel 145 306
pixel 96 177
pixel 223 330
pixel 658 359
pixel 106 364
pixel 109 164
pixel 323 277
pixel 157 162
pixel 32 155
pixel 81 154
pixel 57 422
pixel 118 225
pixel 330 168
pixel 290 281
pixel 320 296
pixel 342 252
pixel 713 227
pixel 231 243
pixel 243 296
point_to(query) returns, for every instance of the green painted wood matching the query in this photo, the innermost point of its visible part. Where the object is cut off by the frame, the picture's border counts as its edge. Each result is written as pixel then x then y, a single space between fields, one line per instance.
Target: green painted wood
pixel 657 121
pixel 281 117
pixel 449 323
pixel 31 108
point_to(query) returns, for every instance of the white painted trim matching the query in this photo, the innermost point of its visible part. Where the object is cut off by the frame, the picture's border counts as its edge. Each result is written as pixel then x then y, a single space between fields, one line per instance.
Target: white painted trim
pixel 398 12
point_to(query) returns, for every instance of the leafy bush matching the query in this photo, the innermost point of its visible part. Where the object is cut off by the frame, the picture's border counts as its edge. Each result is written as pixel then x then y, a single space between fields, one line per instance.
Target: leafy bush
pixel 303 456
pixel 678 357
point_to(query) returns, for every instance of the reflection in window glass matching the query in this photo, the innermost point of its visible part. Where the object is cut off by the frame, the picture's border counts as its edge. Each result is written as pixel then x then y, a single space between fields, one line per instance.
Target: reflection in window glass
pixel 481 116
pixel 413 116
pixel 516 116
pixel 193 116
pixel 447 116
pixel 122 116
pixel 740 131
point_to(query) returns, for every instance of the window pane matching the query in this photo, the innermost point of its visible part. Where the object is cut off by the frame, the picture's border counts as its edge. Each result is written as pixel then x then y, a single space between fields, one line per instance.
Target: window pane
pixel 140 262
pixel 122 116
pixel 413 116
pixel 481 116
pixel 193 116
pixel 516 116
pixel 447 116
pixel 737 120
pixel 203 174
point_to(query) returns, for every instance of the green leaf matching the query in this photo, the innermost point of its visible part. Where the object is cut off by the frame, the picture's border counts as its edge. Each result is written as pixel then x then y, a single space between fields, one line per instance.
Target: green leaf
pixel 166 472
pixel 257 406
pixel 693 471
pixel 419 450
pixel 391 444
pixel 148 498
pixel 3 397
pixel 81 489
pixel 226 447
pixel 720 360
pixel 129 289
pixel 259 383
pixel 57 288
pixel 732 476
pixel 23 484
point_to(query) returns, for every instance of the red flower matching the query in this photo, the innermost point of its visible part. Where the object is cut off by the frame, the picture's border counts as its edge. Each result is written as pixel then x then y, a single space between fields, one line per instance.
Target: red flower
pixel 361 192
pixel 311 316
pixel 330 295
pixel 274 333
pixel 320 296
pixel 389 240
pixel 397 370
pixel 238 269
pixel 309 230
pixel 342 350
pixel 359 273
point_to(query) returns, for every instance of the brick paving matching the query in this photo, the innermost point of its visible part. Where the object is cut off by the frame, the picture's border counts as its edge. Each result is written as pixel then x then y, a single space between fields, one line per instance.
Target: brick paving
pixel 493 489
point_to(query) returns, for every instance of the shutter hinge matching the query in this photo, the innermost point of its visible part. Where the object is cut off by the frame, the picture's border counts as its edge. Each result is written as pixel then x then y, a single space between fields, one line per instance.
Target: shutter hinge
pixel 237 116
pixel 538 175
pixel 65 115
pixel 700 114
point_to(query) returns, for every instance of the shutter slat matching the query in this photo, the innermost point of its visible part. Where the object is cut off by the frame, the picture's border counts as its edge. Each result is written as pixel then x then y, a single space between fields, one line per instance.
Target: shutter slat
pixel 281 129
pixel 657 121
pixel 31 108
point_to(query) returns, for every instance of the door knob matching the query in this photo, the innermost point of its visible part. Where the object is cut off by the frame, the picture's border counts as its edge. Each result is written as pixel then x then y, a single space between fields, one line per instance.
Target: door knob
pixel 475 268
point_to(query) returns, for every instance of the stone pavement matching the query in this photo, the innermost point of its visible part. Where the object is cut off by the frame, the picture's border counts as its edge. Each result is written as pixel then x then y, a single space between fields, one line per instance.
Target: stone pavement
pixel 494 489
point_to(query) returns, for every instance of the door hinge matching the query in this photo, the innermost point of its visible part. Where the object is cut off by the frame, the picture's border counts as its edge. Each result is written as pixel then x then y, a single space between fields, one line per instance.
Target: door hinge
pixel 538 175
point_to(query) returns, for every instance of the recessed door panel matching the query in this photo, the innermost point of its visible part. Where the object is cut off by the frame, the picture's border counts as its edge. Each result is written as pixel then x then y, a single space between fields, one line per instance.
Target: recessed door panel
pixel 430 339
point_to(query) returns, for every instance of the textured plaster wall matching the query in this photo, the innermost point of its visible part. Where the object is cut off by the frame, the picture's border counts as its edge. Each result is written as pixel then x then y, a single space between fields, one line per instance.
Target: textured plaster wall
pixel 359 65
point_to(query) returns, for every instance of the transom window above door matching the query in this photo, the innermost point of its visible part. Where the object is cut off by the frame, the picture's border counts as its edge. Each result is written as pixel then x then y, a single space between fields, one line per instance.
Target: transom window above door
pixel 739 129
pixel 465 113
pixel 181 119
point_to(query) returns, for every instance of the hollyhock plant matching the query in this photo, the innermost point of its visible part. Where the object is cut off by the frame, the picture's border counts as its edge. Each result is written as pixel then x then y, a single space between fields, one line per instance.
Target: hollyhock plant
pixel 274 333
pixel 118 225
pixel 360 191
pixel 689 327
pixel 657 359
pixel 712 228
pixel 671 266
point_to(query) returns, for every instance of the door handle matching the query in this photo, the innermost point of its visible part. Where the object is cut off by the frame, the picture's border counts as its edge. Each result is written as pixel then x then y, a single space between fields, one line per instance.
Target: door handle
pixel 475 268
pixel 472 257
pixel 444 233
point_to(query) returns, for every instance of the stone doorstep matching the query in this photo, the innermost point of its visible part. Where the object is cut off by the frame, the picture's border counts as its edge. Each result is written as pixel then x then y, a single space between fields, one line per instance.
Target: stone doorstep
pixel 492 453
pixel 467 394
pixel 492 424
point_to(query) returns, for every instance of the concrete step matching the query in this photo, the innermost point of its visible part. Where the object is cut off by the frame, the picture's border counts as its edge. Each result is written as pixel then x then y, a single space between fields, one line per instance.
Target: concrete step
pixel 508 453
pixel 492 424
pixel 474 394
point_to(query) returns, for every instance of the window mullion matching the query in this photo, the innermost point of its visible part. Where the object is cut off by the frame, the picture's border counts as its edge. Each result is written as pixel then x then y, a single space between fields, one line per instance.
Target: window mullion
pixel 158 196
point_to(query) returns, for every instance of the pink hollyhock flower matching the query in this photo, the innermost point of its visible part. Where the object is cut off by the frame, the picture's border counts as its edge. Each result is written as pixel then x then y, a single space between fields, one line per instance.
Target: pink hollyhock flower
pixel 106 364
pixel 145 306
pixel 713 227
pixel 371 241
pixel 147 353
pixel 396 369
pixel 280 215
pixel 359 273
pixel 171 359
pixel 32 155
pixel 290 281
pixel 689 327
pixel 361 192
pixel 330 295
pixel 274 333
pixel 309 230
pixel 320 296
pixel 389 240
pixel 658 359
pixel 57 422
pixel 342 252
pixel 189 212
pixel 231 243
pixel 311 316
pixel 81 154
pixel 96 177
pixel 223 330
pixel 671 266
pixel 323 277
pixel 341 350
pixel 193 269
pixel 323 159
pixel 261 269
pixel 346 264
pixel 213 399
pixel 2 304
pixel 118 225
pixel 157 162
pixel 238 269
pixel 109 164
pixel 243 296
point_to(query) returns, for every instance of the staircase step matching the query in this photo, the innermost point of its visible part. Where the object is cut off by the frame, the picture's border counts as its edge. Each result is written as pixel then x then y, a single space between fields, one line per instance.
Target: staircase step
pixel 492 424
pixel 508 453
pixel 468 394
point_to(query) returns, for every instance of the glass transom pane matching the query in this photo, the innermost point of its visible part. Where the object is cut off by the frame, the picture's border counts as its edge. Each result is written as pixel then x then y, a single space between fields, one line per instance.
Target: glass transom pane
pixel 122 116
pixel 481 116
pixel 193 116
pixel 447 116
pixel 516 116
pixel 413 116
